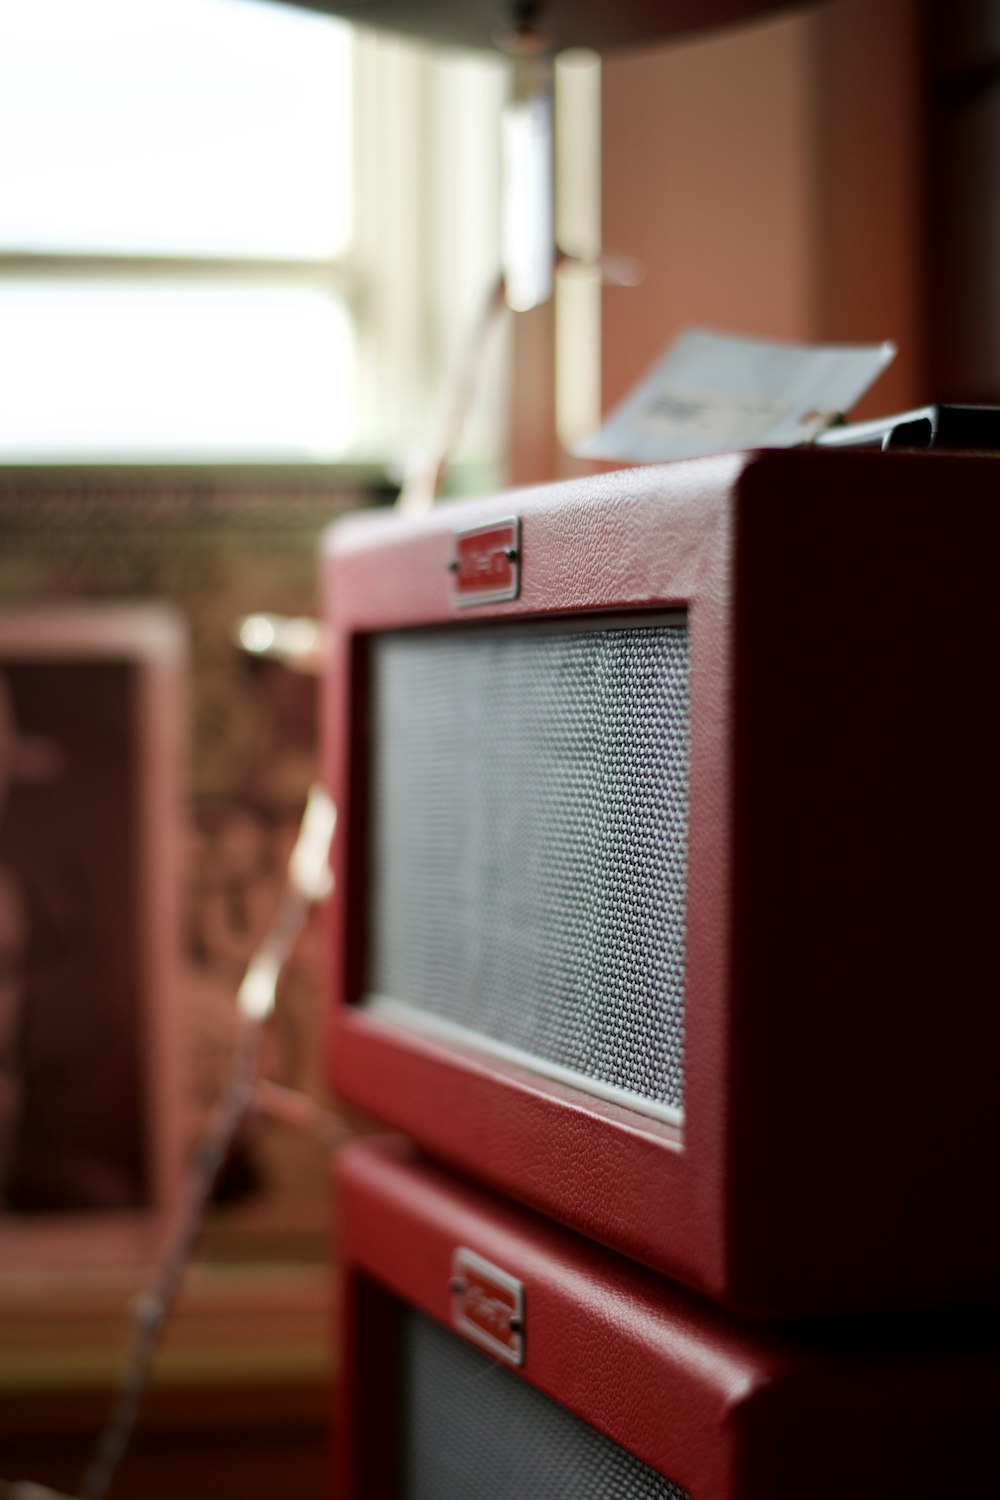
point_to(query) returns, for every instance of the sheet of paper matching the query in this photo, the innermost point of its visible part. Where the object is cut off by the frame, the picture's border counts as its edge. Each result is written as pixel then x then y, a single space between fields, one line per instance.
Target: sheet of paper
pixel 713 392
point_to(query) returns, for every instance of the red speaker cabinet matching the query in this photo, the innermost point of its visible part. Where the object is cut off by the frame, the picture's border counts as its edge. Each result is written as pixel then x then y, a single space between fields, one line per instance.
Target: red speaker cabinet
pixel 666 865
pixel 488 1354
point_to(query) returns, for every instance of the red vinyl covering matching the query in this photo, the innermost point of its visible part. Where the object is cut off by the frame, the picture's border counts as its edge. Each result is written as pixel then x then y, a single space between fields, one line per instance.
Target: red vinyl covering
pixel 718 1407
pixel 841 1117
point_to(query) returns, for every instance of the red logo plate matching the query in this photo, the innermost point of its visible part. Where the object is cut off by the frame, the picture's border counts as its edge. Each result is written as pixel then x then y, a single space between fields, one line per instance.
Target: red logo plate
pixel 487 1305
pixel 486 566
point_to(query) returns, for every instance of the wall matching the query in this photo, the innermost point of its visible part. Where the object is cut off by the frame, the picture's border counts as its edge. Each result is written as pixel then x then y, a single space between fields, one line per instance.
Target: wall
pixel 963 153
pixel 768 180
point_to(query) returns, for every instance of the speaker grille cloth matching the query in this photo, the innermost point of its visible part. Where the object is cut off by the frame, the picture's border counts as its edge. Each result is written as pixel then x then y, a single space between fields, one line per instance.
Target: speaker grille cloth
pixel 528 842
pixel 471 1430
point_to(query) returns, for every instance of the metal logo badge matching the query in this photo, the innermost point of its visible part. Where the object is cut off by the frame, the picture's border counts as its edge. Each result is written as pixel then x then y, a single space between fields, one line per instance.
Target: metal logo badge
pixel 486 566
pixel 487 1305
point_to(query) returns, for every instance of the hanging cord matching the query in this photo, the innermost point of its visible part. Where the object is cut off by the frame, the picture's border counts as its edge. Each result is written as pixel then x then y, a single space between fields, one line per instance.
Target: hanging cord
pixel 423 482
pixel 309 881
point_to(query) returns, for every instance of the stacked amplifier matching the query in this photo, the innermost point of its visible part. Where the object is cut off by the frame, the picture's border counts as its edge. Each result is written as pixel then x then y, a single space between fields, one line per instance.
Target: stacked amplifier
pixel 665 929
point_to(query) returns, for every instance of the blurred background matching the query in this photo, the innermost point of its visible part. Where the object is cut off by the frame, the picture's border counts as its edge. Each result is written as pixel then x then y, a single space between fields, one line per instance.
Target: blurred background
pixel 242 246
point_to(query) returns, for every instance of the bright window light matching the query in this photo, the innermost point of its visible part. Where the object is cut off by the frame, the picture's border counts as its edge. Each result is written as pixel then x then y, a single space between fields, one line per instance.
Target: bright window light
pixel 154 370
pixel 217 127
pixel 214 138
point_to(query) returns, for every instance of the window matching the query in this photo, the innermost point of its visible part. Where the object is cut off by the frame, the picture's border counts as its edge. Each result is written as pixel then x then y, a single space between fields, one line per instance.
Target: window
pixel 233 230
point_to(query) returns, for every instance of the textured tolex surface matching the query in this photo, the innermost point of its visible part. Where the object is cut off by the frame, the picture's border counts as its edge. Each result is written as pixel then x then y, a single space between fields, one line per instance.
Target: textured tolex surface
pixel 840 1108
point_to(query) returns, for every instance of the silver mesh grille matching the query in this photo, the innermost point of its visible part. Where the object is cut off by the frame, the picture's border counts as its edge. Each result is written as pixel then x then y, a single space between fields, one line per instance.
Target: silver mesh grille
pixel 471 1430
pixel 528 842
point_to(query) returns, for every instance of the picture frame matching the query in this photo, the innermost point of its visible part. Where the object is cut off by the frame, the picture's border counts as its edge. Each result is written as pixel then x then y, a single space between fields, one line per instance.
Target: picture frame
pixel 92 745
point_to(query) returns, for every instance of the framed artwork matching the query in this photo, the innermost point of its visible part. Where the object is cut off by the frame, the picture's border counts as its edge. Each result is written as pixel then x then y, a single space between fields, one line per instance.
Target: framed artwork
pixel 91 748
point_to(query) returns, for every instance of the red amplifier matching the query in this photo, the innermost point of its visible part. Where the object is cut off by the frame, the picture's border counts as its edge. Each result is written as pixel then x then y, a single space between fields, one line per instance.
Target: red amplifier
pixel 666 865
pixel 488 1354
